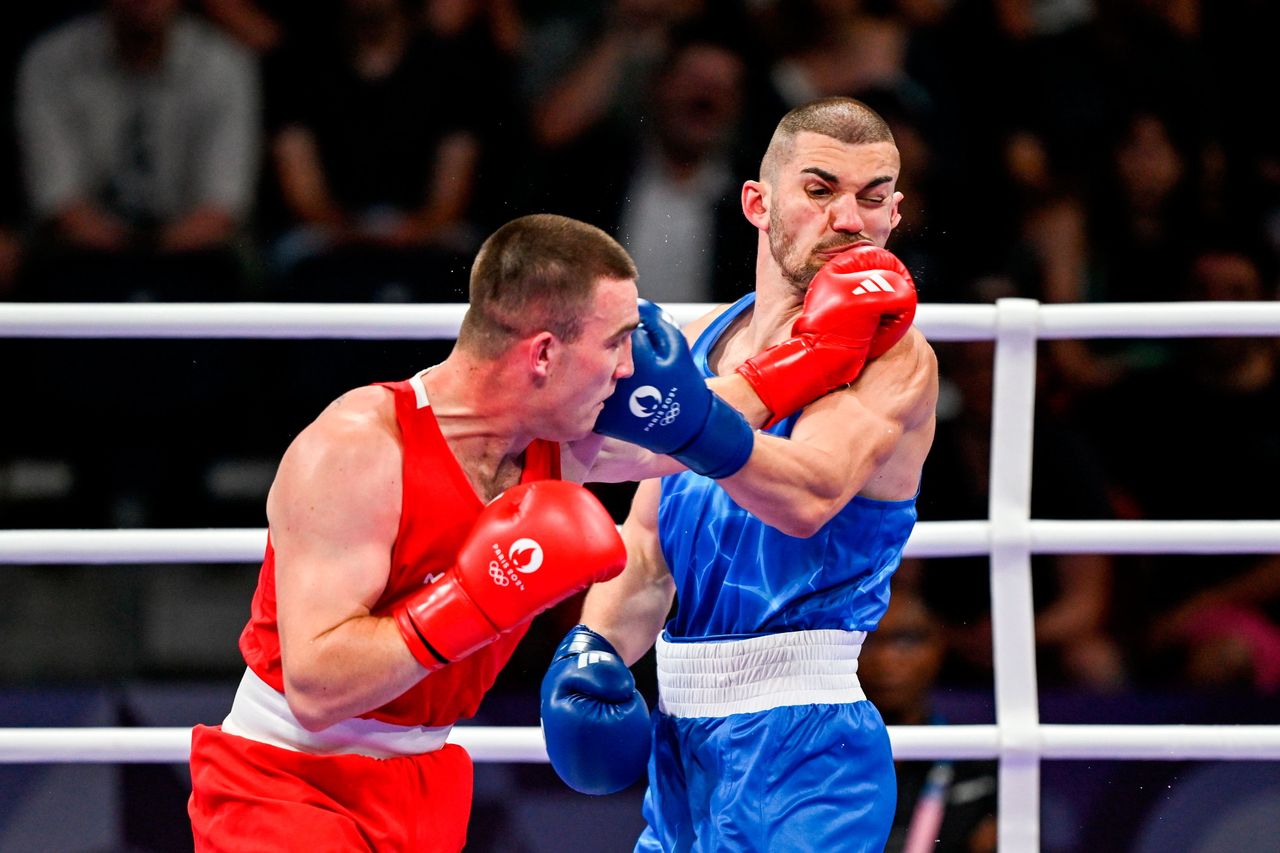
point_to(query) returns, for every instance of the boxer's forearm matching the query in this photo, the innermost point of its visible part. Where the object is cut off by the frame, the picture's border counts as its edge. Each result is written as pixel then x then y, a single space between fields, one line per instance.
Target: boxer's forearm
pixel 349 670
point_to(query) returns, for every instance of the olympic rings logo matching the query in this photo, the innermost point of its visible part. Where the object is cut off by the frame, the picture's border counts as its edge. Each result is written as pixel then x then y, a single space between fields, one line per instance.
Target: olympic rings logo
pixel 673 412
pixel 498 575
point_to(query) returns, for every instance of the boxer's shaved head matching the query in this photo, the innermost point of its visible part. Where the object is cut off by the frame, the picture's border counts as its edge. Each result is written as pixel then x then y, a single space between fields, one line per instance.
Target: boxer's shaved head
pixel 537 273
pixel 845 119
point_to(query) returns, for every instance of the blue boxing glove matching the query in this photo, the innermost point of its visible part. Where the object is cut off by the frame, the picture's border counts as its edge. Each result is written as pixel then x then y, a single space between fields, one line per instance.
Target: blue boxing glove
pixel 594 721
pixel 666 407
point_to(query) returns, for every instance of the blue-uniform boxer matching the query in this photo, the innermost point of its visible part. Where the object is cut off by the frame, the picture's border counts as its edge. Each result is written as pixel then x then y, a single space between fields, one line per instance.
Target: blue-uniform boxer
pixel 780 556
pixel 763 739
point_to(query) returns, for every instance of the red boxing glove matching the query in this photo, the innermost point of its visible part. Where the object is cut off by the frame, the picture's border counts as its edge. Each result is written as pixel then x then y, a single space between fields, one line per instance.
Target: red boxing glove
pixel 857 307
pixel 532 547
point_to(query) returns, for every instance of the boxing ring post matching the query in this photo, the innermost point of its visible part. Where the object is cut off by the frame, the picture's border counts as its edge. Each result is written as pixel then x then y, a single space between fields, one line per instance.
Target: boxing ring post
pixel 1008 536
pixel 1012 608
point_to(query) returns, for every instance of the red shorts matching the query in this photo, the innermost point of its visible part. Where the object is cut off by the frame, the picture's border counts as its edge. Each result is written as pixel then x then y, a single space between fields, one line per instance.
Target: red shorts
pixel 249 795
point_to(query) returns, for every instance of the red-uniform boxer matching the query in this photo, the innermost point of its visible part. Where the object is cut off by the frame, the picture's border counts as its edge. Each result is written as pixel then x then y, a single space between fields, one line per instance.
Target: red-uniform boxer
pixel 416 528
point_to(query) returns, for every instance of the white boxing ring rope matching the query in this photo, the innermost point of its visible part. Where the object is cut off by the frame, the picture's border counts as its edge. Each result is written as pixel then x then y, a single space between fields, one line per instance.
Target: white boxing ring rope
pixel 1019 741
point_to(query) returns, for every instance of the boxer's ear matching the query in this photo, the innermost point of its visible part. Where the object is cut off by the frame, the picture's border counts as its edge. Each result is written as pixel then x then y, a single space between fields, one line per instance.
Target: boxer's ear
pixel 755 204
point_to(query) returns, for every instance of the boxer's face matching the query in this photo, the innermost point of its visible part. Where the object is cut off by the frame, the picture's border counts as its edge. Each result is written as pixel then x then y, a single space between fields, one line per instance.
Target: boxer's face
pixel 600 356
pixel 827 197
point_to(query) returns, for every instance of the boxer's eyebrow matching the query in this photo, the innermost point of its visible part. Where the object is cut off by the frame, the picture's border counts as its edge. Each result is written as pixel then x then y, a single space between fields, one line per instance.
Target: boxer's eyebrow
pixel 626 330
pixel 835 179
pixel 821 173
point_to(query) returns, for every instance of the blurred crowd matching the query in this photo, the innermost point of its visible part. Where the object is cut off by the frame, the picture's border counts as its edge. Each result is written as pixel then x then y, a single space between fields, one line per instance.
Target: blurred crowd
pixel 359 151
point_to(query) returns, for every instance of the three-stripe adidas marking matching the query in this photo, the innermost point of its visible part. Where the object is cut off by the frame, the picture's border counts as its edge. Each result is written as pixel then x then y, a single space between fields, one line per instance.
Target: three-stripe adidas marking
pixel 587 658
pixel 873 283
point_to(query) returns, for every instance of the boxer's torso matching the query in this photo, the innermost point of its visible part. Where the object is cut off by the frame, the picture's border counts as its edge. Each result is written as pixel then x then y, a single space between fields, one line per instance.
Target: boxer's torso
pixel 439 507
pixel 736 576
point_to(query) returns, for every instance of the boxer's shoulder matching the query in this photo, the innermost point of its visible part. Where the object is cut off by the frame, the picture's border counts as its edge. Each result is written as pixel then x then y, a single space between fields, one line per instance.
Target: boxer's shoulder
pixel 368 410
pixel 356 431
pixel 695 328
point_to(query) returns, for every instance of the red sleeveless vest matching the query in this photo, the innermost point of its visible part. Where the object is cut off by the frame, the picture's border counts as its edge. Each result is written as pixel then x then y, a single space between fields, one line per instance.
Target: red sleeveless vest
pixel 439 508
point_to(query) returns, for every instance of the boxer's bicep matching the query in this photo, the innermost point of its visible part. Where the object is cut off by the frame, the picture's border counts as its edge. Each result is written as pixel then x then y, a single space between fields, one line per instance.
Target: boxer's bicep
pixel 334 514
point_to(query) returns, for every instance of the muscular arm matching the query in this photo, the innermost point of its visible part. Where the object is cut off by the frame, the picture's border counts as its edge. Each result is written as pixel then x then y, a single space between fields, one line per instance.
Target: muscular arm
pixel 334 511
pixel 630 609
pixel 871 438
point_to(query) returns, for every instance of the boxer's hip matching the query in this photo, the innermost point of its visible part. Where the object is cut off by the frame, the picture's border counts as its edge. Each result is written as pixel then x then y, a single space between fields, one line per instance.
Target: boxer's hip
pixel 261 713
pixel 722 677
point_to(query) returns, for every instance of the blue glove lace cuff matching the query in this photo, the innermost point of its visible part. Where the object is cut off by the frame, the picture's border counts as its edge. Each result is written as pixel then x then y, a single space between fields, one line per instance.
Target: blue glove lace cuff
pixel 722 446
pixel 582 639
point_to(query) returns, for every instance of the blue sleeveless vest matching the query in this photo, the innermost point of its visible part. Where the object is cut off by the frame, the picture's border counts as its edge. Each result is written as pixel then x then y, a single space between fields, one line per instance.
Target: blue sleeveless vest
pixel 736 576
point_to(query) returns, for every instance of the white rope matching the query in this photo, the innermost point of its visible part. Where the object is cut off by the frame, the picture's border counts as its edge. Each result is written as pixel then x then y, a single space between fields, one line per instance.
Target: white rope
pixel 1161 743
pixel 940 322
pixel 929 539
pixel 229 320
pixel 523 744
pixel 1159 320
pixel 1155 537
pixel 53 547
pixel 349 321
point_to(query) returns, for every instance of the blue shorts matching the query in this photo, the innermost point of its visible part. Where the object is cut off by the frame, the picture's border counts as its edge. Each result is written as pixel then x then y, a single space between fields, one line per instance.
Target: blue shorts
pixel 796 777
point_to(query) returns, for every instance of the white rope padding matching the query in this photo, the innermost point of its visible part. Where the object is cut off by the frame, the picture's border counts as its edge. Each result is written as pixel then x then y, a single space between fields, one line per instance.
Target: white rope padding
pixel 262 320
pixel 1019 740
pixel 929 539
pixel 524 744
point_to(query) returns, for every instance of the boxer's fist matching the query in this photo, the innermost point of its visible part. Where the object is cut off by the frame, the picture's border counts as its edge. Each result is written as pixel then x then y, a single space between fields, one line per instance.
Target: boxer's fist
pixel 857 307
pixel 666 407
pixel 595 722
pixel 532 547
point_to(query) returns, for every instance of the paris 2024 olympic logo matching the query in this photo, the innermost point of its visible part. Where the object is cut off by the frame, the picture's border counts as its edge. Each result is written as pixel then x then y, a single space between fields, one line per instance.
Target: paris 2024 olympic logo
pixel 648 402
pixel 524 557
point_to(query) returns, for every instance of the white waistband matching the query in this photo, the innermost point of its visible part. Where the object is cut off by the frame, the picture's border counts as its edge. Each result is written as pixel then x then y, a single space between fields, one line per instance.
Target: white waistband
pixel 261 713
pixel 719 678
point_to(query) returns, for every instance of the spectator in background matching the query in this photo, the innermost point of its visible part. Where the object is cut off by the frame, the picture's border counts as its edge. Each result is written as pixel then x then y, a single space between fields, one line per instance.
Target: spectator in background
pixel 1036 215
pixel 478 42
pixel 669 191
pixel 139 135
pixel 1011 156
pixel 138 129
pixel 10 207
pixel 286 36
pixel 1073 592
pixel 10 259
pixel 261 27
pixel 377 165
pixel 1142 223
pixel 824 49
pixel 682 182
pixel 607 57
pixel 12 40
pixel 944 806
pixel 483 41
pixel 1214 621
